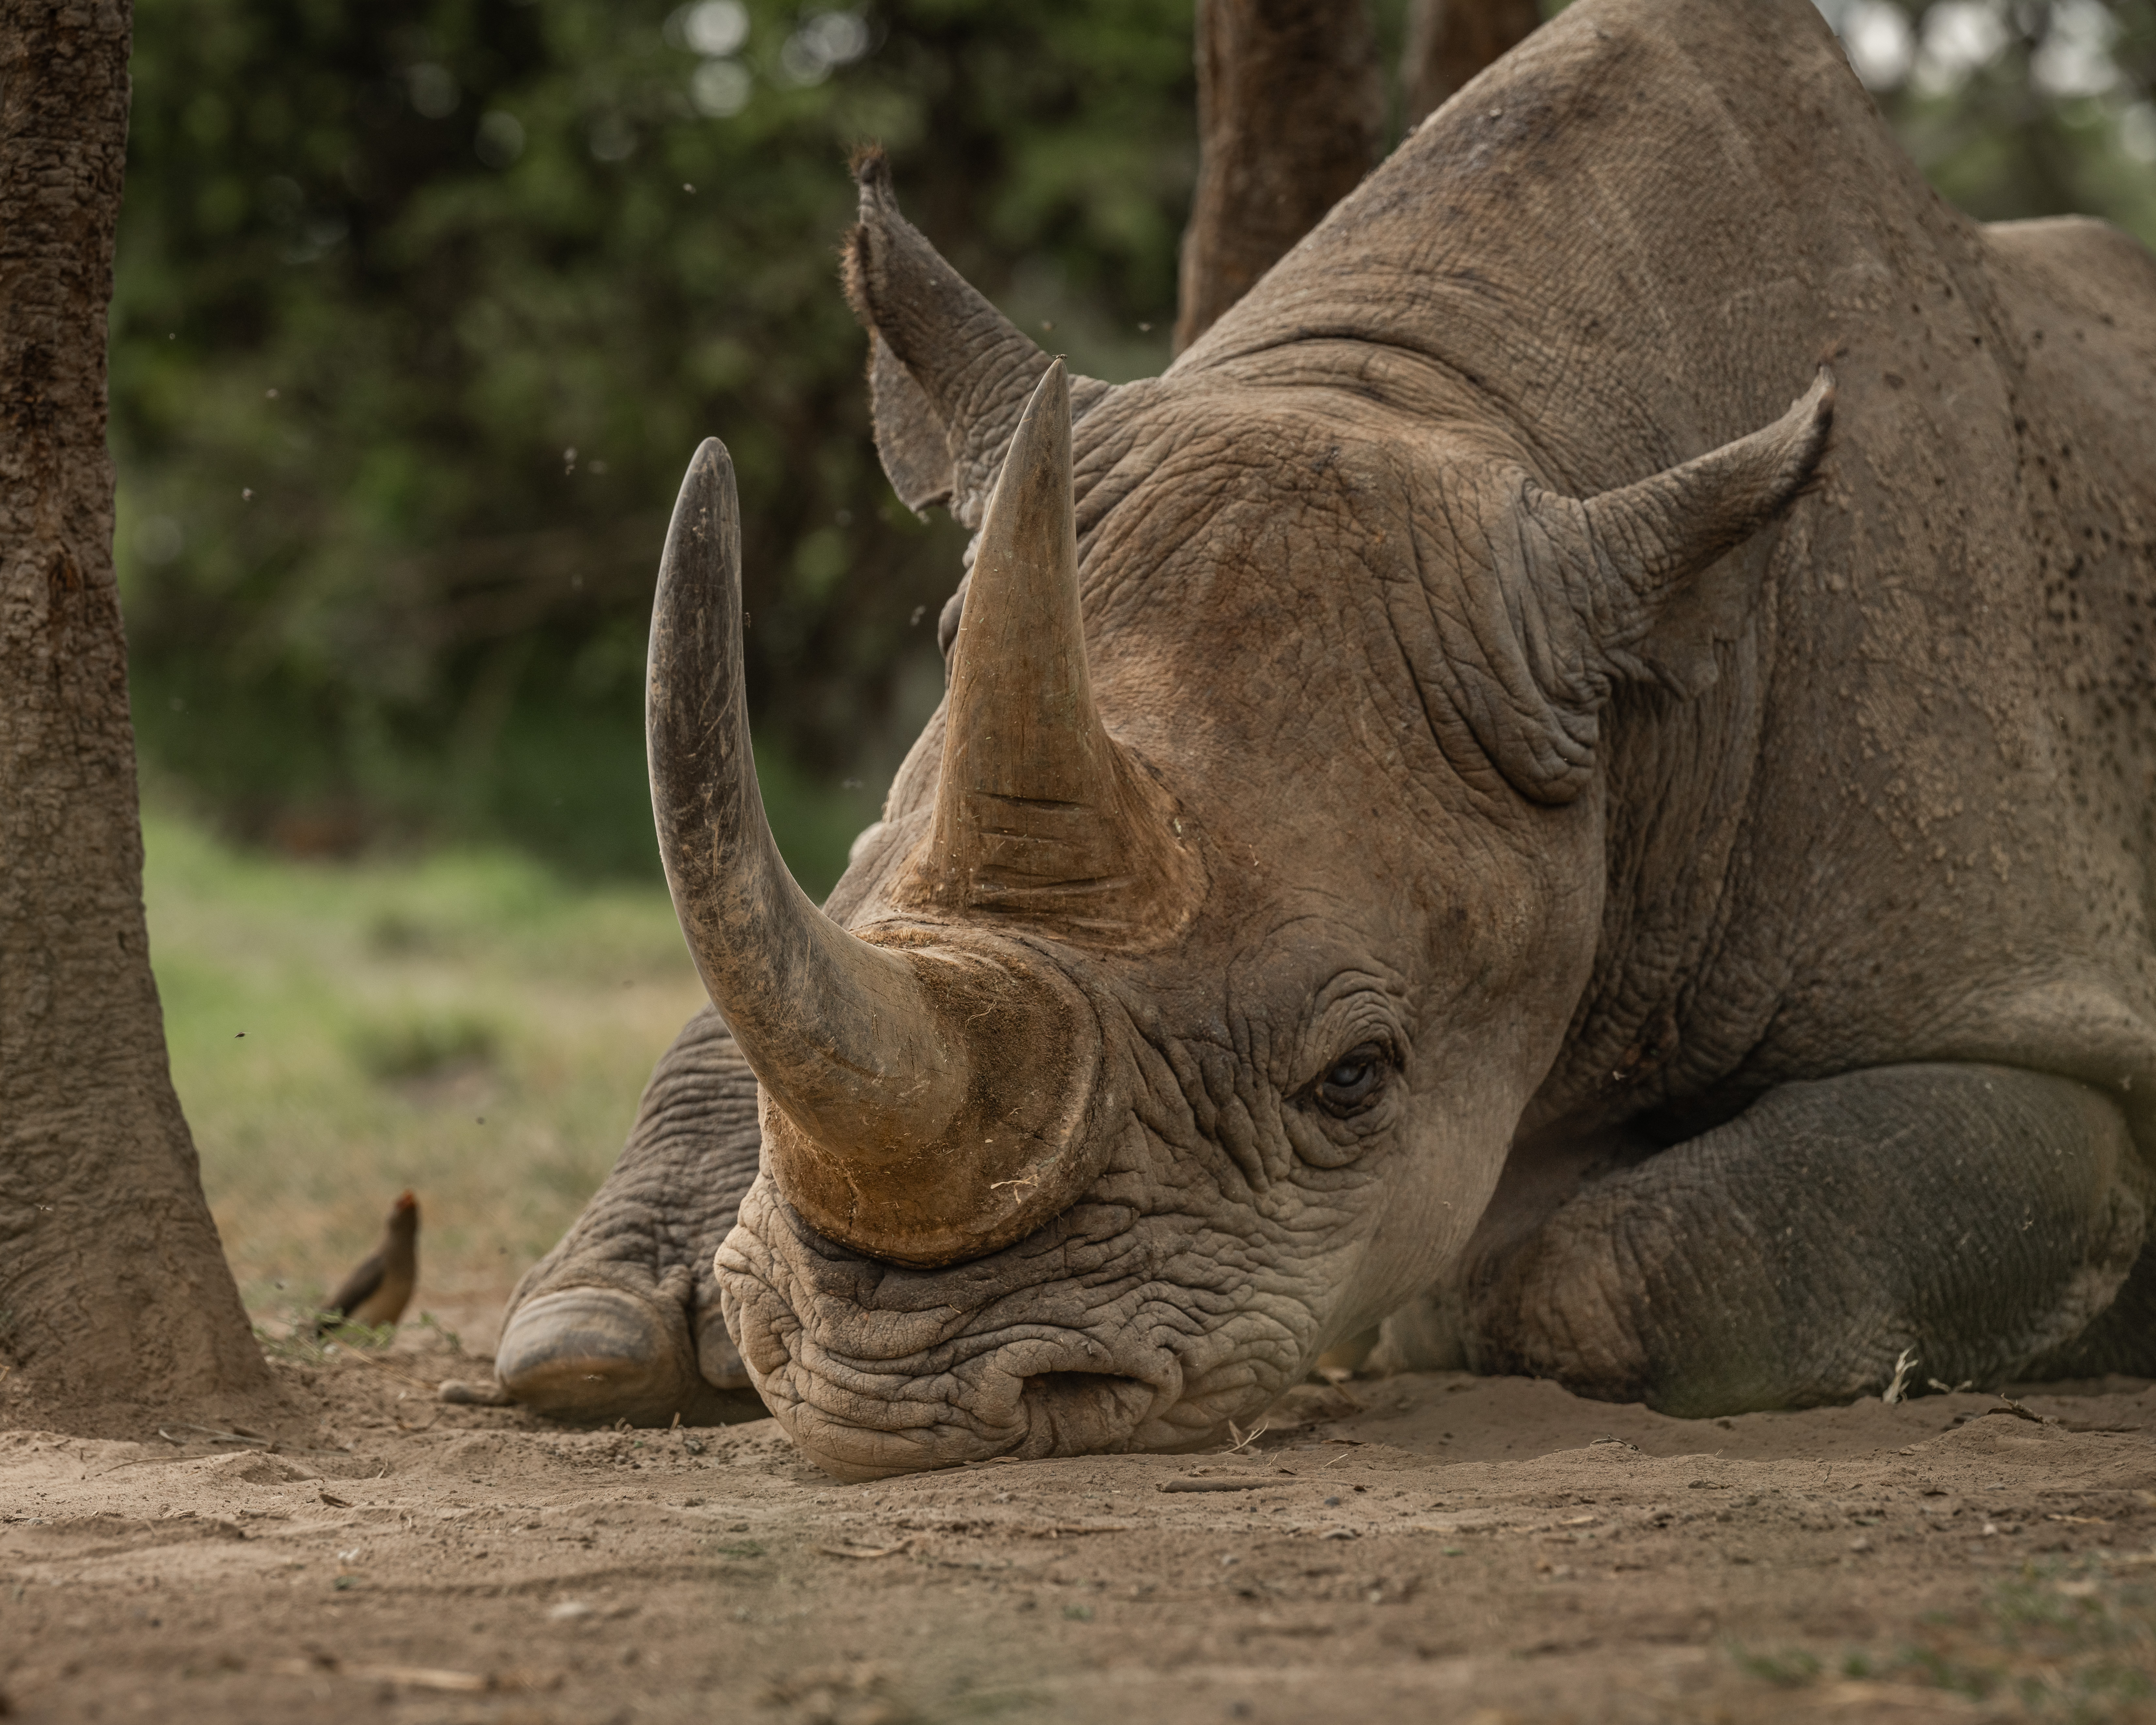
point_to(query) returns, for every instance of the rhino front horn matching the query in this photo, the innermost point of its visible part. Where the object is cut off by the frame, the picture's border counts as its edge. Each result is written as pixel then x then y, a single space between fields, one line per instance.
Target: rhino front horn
pixel 1040 813
pixel 923 1090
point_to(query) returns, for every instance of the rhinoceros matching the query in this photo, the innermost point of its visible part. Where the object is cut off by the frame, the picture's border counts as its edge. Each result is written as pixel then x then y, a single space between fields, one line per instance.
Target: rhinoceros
pixel 1457 804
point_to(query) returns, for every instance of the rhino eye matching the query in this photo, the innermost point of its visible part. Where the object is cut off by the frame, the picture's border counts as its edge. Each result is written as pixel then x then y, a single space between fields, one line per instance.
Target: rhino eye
pixel 1352 1081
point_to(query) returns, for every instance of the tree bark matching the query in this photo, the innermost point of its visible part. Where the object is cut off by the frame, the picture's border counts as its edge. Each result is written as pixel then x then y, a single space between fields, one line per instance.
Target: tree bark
pixel 116 1306
pixel 1290 112
pixel 1450 41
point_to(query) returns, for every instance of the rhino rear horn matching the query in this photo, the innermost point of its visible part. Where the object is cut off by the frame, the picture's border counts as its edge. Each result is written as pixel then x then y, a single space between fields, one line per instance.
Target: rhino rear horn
pixel 949 374
pixel 1039 813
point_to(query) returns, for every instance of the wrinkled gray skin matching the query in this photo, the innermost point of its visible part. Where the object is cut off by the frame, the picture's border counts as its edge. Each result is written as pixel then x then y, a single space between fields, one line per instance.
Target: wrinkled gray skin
pixel 1759 965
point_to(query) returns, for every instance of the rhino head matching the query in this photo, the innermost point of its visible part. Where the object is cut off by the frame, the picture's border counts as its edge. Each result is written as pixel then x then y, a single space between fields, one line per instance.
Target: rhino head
pixel 1177 1020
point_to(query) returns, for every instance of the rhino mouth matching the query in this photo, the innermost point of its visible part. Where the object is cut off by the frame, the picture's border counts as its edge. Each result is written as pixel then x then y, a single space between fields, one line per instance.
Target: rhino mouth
pixel 1060 1346
pixel 1025 1415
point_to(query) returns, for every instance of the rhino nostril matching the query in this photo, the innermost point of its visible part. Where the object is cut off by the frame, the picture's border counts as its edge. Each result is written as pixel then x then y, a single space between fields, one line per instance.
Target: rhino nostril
pixel 1070 1382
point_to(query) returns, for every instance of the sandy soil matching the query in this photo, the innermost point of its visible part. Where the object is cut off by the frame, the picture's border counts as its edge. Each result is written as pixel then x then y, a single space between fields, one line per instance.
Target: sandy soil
pixel 1414 1548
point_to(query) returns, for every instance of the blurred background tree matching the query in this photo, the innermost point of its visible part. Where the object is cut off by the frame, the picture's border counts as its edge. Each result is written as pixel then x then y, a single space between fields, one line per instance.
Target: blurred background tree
pixel 2018 107
pixel 422 306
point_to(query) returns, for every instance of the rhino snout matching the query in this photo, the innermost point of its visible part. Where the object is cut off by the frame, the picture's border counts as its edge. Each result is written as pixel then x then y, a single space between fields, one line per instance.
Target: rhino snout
pixel 876 1369
pixel 1028 1400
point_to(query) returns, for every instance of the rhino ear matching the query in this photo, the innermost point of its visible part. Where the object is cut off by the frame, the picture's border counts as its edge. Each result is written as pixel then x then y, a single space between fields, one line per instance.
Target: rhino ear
pixel 949 374
pixel 910 436
pixel 1656 545
pixel 1633 585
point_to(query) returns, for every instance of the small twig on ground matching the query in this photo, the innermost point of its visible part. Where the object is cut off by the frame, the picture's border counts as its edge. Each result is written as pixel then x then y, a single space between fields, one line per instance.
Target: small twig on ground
pixel 211 1434
pixel 147 1461
pixel 405 1676
pixel 474 1392
pixel 1904 1367
pixel 1242 1442
pixel 1060 1529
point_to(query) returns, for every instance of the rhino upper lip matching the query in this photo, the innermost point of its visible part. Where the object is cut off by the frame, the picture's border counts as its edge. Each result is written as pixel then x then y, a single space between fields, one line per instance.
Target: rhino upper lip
pixel 975 1378
pixel 1048 1402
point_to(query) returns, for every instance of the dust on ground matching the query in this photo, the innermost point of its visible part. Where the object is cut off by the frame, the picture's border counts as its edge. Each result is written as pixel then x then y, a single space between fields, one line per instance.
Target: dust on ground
pixel 1424 1547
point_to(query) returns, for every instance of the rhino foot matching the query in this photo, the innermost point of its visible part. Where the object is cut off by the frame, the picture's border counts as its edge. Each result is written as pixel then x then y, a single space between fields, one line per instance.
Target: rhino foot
pixel 601 1353
pixel 621 1320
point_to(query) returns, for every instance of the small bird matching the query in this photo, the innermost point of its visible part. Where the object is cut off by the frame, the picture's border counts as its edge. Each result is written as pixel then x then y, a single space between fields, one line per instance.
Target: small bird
pixel 377 1290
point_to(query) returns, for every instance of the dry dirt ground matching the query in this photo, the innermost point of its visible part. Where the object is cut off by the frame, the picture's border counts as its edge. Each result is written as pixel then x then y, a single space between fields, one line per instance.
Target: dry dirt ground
pixel 1425 1549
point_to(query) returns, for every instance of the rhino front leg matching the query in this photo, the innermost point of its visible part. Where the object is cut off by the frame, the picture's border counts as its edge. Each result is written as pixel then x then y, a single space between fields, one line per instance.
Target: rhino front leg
pixel 1982 1217
pixel 621 1320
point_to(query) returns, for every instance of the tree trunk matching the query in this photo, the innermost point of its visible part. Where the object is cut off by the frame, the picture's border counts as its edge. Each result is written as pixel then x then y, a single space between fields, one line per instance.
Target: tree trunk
pixel 1450 41
pixel 1290 112
pixel 116 1306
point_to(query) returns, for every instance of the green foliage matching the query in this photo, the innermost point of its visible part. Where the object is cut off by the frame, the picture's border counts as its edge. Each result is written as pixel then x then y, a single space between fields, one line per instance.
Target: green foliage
pixel 351 1335
pixel 2074 1642
pixel 2017 108
pixel 422 307
pixel 451 1340
pixel 304 1339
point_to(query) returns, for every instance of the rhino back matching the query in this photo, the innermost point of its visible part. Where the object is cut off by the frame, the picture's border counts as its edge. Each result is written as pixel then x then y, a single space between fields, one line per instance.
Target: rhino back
pixel 1629 242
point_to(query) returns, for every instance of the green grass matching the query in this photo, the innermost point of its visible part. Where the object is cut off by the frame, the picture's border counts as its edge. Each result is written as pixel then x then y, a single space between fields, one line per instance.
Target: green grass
pixel 1785 1668
pixel 2072 1641
pixel 468 1025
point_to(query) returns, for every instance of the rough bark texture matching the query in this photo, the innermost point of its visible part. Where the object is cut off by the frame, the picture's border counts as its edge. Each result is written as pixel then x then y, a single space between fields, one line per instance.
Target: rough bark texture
pixel 115 1302
pixel 1291 110
pixel 1450 41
